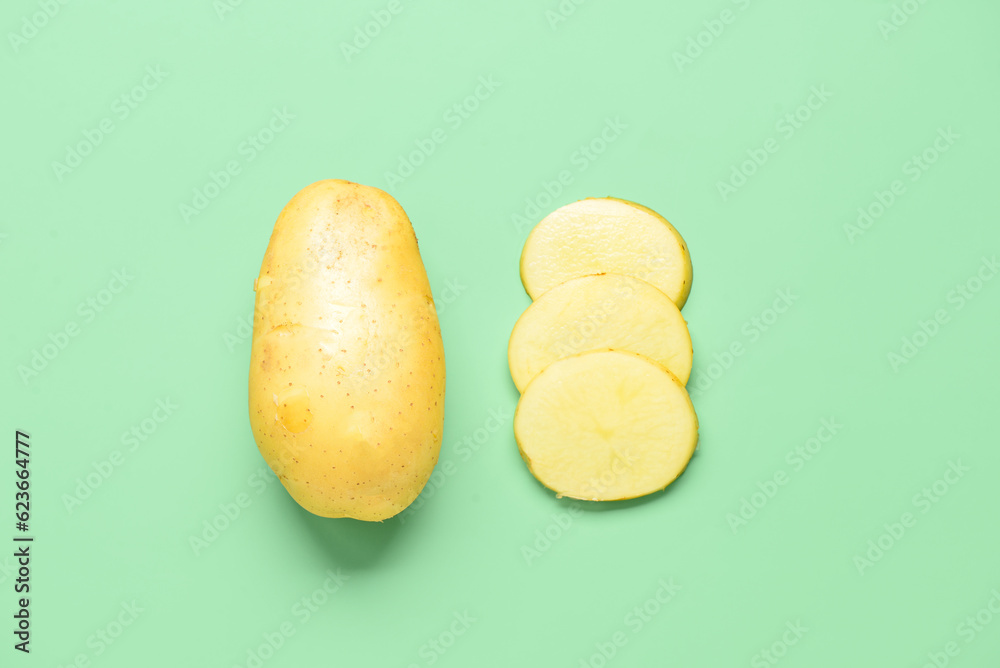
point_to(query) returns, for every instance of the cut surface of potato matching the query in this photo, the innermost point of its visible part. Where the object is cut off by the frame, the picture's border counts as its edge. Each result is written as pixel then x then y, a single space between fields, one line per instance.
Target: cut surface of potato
pixel 597 313
pixel 606 235
pixel 606 426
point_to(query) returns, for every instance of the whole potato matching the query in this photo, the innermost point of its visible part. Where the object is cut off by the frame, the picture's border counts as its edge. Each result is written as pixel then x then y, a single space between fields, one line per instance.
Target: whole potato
pixel 347 373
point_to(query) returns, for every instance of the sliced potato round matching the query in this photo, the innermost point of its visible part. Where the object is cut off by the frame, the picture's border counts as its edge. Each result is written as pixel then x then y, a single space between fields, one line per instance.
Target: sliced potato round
pixel 606 235
pixel 606 426
pixel 597 313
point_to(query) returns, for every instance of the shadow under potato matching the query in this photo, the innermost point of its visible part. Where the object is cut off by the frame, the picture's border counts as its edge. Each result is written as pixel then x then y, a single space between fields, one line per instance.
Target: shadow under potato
pixel 348 543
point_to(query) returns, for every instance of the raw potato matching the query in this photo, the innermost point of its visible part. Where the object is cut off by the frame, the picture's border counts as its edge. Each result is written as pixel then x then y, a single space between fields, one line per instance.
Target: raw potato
pixel 606 426
pixel 606 235
pixel 347 371
pixel 595 313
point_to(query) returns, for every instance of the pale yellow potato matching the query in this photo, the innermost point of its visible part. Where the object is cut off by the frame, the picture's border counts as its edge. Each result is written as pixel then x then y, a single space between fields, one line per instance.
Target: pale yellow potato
pixel 606 235
pixel 597 313
pixel 606 426
pixel 347 374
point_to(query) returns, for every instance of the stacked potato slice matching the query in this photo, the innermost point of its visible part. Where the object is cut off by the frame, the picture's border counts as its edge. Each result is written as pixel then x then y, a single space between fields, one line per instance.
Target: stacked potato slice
pixel 602 355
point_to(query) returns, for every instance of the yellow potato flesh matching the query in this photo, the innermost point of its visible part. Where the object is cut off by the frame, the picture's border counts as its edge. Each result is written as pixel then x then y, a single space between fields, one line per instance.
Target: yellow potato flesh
pixel 347 373
pixel 606 235
pixel 595 313
pixel 606 426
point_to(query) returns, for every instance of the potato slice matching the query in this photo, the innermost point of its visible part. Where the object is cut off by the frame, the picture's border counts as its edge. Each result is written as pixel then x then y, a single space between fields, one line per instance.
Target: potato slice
pixel 606 235
pixel 597 313
pixel 606 426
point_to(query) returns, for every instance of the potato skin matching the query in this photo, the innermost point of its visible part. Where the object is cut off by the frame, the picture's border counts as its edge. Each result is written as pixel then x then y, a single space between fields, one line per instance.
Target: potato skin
pixel 347 373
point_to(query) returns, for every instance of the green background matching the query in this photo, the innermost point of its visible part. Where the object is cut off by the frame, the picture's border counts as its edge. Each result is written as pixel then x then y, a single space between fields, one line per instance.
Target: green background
pixel 176 330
